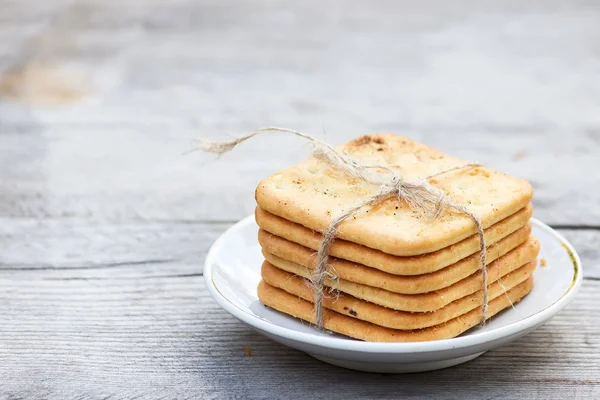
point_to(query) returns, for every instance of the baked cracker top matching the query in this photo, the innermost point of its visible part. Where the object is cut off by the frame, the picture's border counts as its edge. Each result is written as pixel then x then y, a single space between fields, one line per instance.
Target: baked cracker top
pixel 312 193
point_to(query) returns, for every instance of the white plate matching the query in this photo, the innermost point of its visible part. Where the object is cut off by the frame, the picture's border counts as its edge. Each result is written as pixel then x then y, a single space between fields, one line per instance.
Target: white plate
pixel 232 273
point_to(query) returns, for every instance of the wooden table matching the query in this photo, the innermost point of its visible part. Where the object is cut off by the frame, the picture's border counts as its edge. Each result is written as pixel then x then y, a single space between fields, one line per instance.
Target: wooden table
pixel 104 224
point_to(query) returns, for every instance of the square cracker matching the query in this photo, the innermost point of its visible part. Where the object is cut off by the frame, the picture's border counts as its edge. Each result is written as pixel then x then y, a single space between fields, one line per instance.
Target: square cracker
pixel 312 193
pixel 423 302
pixel 273 246
pixel 295 306
pixel 397 265
pixel 349 305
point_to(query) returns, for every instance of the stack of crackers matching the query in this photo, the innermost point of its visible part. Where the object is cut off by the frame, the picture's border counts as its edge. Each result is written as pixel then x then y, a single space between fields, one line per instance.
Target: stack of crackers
pixel 395 275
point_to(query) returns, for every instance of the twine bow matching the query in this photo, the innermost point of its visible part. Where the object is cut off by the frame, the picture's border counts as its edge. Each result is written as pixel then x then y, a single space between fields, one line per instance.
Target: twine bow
pixel 420 196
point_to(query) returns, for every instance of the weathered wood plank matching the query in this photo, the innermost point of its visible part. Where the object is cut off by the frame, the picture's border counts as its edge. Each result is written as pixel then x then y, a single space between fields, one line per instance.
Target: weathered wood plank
pixel 164 337
pixel 82 249
pixel 74 244
pixel 101 232
pixel 101 309
pixel 132 85
pixel 146 177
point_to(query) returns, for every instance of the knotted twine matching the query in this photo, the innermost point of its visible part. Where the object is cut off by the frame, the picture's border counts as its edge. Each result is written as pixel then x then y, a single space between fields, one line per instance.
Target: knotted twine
pixel 419 195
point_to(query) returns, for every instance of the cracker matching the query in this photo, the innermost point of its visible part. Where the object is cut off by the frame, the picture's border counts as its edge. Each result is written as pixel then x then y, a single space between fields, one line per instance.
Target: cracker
pixel 292 305
pixel 383 316
pixel 412 284
pixel 312 194
pixel 415 265
pixel 423 302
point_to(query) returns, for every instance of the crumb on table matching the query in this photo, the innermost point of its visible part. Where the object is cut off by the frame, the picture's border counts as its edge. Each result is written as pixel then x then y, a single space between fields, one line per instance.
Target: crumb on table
pixel 248 351
pixel 543 262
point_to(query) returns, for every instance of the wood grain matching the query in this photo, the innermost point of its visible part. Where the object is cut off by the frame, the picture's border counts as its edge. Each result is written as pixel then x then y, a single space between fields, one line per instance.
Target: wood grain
pixel 477 81
pixel 121 311
pixel 106 335
pixel 104 224
pixel 77 246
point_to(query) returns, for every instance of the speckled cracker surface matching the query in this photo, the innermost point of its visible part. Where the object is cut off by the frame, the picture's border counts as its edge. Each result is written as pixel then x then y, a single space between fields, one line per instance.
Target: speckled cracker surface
pixel 384 316
pixel 312 194
pixel 274 246
pixel 295 306
pixel 424 302
pixel 397 265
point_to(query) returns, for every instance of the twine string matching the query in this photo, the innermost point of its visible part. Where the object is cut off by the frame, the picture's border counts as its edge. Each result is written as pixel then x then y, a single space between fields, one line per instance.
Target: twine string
pixel 419 195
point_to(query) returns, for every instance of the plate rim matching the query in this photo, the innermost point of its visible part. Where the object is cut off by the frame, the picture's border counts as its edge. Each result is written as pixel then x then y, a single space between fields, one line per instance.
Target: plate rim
pixel 353 345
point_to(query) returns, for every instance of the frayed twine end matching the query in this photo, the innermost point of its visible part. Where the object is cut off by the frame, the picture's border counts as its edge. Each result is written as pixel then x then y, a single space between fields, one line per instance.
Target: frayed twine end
pixel 419 196
pixel 217 148
pixel 210 146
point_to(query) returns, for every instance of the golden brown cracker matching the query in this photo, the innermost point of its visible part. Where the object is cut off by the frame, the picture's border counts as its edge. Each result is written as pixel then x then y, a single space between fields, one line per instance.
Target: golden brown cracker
pixel 383 316
pixel 312 194
pixel 293 305
pixel 423 302
pixel 414 265
pixel 406 284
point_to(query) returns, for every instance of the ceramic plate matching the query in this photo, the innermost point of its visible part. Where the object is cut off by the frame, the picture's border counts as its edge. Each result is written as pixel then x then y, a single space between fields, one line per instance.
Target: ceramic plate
pixel 232 272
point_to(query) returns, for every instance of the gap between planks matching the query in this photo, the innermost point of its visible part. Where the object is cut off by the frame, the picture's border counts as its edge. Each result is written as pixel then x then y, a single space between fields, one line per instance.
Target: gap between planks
pixel 225 222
